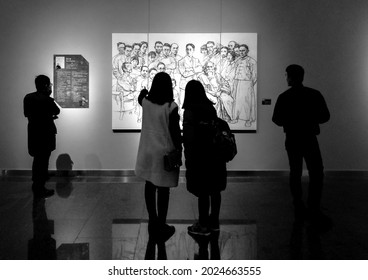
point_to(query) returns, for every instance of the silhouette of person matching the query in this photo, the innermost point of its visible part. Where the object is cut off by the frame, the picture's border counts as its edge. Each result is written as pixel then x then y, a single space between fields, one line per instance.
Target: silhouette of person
pixel 41 110
pixel 160 134
pixel 205 174
pixel 300 110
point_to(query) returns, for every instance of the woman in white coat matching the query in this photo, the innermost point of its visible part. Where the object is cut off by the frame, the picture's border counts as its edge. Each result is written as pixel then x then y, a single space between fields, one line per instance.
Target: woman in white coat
pixel 160 134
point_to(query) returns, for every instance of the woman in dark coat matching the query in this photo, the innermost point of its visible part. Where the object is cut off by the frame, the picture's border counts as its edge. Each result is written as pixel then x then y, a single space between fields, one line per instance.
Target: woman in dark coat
pixel 205 173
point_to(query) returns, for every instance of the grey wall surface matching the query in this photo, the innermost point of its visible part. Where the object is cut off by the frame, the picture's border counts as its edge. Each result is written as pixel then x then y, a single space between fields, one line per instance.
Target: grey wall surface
pixel 329 38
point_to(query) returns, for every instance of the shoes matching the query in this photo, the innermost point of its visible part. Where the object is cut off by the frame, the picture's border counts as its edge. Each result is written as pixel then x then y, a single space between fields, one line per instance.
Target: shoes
pixel 43 193
pixel 197 229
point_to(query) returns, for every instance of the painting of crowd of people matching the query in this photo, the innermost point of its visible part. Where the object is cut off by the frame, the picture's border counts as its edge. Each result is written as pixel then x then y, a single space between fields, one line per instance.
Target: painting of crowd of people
pixel 226 65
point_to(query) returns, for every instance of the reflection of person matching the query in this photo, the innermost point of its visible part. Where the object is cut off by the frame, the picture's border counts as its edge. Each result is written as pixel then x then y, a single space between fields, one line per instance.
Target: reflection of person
pixel 244 94
pixel 205 173
pixel 41 110
pixel 42 246
pixel 160 135
pixel 300 110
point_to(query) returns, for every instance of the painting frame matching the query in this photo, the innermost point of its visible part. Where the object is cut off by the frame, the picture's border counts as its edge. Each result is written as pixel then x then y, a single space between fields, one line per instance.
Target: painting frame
pixel 225 63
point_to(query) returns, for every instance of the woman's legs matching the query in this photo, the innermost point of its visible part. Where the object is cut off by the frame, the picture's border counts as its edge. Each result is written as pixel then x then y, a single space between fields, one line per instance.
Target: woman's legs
pixel 150 197
pixel 215 210
pixel 157 218
pixel 163 195
pixel 203 210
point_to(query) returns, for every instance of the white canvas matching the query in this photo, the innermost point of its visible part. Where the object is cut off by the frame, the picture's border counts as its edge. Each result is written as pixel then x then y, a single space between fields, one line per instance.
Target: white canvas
pixel 225 63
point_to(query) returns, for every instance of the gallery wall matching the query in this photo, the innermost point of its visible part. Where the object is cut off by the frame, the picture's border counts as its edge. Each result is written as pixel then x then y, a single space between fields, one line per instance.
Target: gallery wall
pixel 329 38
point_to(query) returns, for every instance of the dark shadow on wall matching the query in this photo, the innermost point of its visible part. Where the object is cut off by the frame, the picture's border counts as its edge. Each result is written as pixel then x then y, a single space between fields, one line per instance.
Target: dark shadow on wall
pixel 64 173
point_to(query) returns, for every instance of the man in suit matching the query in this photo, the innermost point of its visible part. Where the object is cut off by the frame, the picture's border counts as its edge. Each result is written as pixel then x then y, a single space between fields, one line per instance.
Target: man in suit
pixel 41 110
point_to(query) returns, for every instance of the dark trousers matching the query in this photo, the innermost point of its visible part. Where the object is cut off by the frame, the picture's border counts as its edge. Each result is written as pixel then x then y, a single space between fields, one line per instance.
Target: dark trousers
pixel 157 209
pixel 209 208
pixel 40 168
pixel 307 148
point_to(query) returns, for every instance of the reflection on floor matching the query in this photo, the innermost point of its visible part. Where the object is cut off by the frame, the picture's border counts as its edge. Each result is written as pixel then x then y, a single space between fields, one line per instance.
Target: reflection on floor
pixel 236 241
pixel 104 217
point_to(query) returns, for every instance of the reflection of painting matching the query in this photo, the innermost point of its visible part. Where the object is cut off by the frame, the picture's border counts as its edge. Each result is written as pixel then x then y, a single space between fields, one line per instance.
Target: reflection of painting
pixel 225 63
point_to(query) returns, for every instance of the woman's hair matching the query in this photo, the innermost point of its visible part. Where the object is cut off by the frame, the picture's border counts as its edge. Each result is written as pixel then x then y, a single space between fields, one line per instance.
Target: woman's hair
pixel 161 90
pixel 195 95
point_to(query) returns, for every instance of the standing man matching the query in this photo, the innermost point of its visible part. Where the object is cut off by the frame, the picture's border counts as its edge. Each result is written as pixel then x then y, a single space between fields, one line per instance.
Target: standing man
pixel 300 110
pixel 168 60
pixel 41 110
pixel 189 68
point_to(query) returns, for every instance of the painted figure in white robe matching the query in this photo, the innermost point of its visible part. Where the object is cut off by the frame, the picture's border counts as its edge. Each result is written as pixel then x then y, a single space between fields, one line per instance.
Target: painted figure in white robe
pixel 116 58
pixel 218 91
pixel 151 74
pixel 142 83
pixel 189 67
pixel 244 93
pixel 126 89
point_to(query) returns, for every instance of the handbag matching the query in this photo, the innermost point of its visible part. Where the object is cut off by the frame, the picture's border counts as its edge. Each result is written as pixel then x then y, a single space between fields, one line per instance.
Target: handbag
pixel 172 160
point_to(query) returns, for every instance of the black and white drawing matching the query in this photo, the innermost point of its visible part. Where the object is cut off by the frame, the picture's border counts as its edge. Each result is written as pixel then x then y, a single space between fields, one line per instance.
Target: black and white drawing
pixel 225 63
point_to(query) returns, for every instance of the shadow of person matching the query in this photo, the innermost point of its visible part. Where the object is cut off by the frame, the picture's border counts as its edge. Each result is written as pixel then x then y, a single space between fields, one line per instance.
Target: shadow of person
pixel 203 242
pixel 64 167
pixel 42 246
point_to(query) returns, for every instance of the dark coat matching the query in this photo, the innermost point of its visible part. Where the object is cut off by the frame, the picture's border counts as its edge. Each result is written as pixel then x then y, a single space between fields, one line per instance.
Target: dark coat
pixel 205 173
pixel 41 110
pixel 300 110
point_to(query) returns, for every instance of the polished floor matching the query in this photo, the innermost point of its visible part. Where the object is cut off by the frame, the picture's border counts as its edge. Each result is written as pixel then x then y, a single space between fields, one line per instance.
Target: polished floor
pixel 104 217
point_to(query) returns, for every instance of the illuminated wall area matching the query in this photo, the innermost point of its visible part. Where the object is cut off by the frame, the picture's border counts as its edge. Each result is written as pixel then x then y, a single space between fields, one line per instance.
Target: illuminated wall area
pixel 329 38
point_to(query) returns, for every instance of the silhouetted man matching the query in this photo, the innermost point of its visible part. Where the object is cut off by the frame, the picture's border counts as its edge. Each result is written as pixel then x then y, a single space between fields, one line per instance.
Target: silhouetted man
pixel 41 110
pixel 300 110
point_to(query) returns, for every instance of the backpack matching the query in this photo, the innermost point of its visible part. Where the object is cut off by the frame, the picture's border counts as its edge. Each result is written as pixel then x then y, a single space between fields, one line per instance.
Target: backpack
pixel 224 141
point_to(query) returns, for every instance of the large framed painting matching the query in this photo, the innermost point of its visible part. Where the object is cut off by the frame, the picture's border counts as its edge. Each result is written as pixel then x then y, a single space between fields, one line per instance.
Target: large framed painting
pixel 225 63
